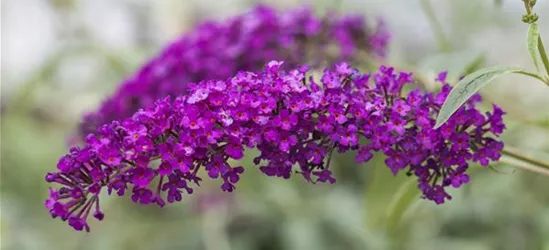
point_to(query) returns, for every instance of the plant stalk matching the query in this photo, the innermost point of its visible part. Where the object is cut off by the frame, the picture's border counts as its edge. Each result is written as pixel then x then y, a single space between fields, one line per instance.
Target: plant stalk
pixel 533 75
pixel 443 41
pixel 525 157
pixel 524 165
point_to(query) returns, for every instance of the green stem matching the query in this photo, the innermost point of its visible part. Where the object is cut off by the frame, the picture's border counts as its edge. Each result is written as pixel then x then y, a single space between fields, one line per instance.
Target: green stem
pixel 523 156
pixel 534 76
pixel 527 6
pixel 524 165
pixel 543 56
pixel 443 41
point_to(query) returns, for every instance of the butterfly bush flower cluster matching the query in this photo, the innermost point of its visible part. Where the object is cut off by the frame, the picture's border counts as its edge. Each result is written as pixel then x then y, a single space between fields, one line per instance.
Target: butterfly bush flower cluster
pixel 294 121
pixel 219 49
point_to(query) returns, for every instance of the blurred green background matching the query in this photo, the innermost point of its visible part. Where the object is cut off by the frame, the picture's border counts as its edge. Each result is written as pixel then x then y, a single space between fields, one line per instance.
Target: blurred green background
pixel 61 57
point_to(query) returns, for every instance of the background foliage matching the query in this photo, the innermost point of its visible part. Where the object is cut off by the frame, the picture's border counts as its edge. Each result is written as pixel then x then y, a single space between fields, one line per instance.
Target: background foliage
pixel 61 57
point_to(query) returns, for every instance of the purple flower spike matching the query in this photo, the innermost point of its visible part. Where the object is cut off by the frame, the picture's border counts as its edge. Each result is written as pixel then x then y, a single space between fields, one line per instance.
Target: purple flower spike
pixel 163 152
pixel 220 49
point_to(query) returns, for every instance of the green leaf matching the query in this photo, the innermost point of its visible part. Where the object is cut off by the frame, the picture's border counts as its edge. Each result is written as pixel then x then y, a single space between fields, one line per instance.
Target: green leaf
pixel 467 87
pixel 474 65
pixel 403 199
pixel 544 59
pixel 533 39
pixel 379 193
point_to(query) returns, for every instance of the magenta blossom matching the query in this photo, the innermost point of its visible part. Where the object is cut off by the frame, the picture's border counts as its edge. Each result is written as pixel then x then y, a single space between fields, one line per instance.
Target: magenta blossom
pixel 219 49
pixel 163 152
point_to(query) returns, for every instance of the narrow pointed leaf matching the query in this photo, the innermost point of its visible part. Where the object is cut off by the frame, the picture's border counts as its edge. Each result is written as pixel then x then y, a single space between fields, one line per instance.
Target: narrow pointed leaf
pixel 403 199
pixel 474 65
pixel 544 58
pixel 467 87
pixel 533 39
